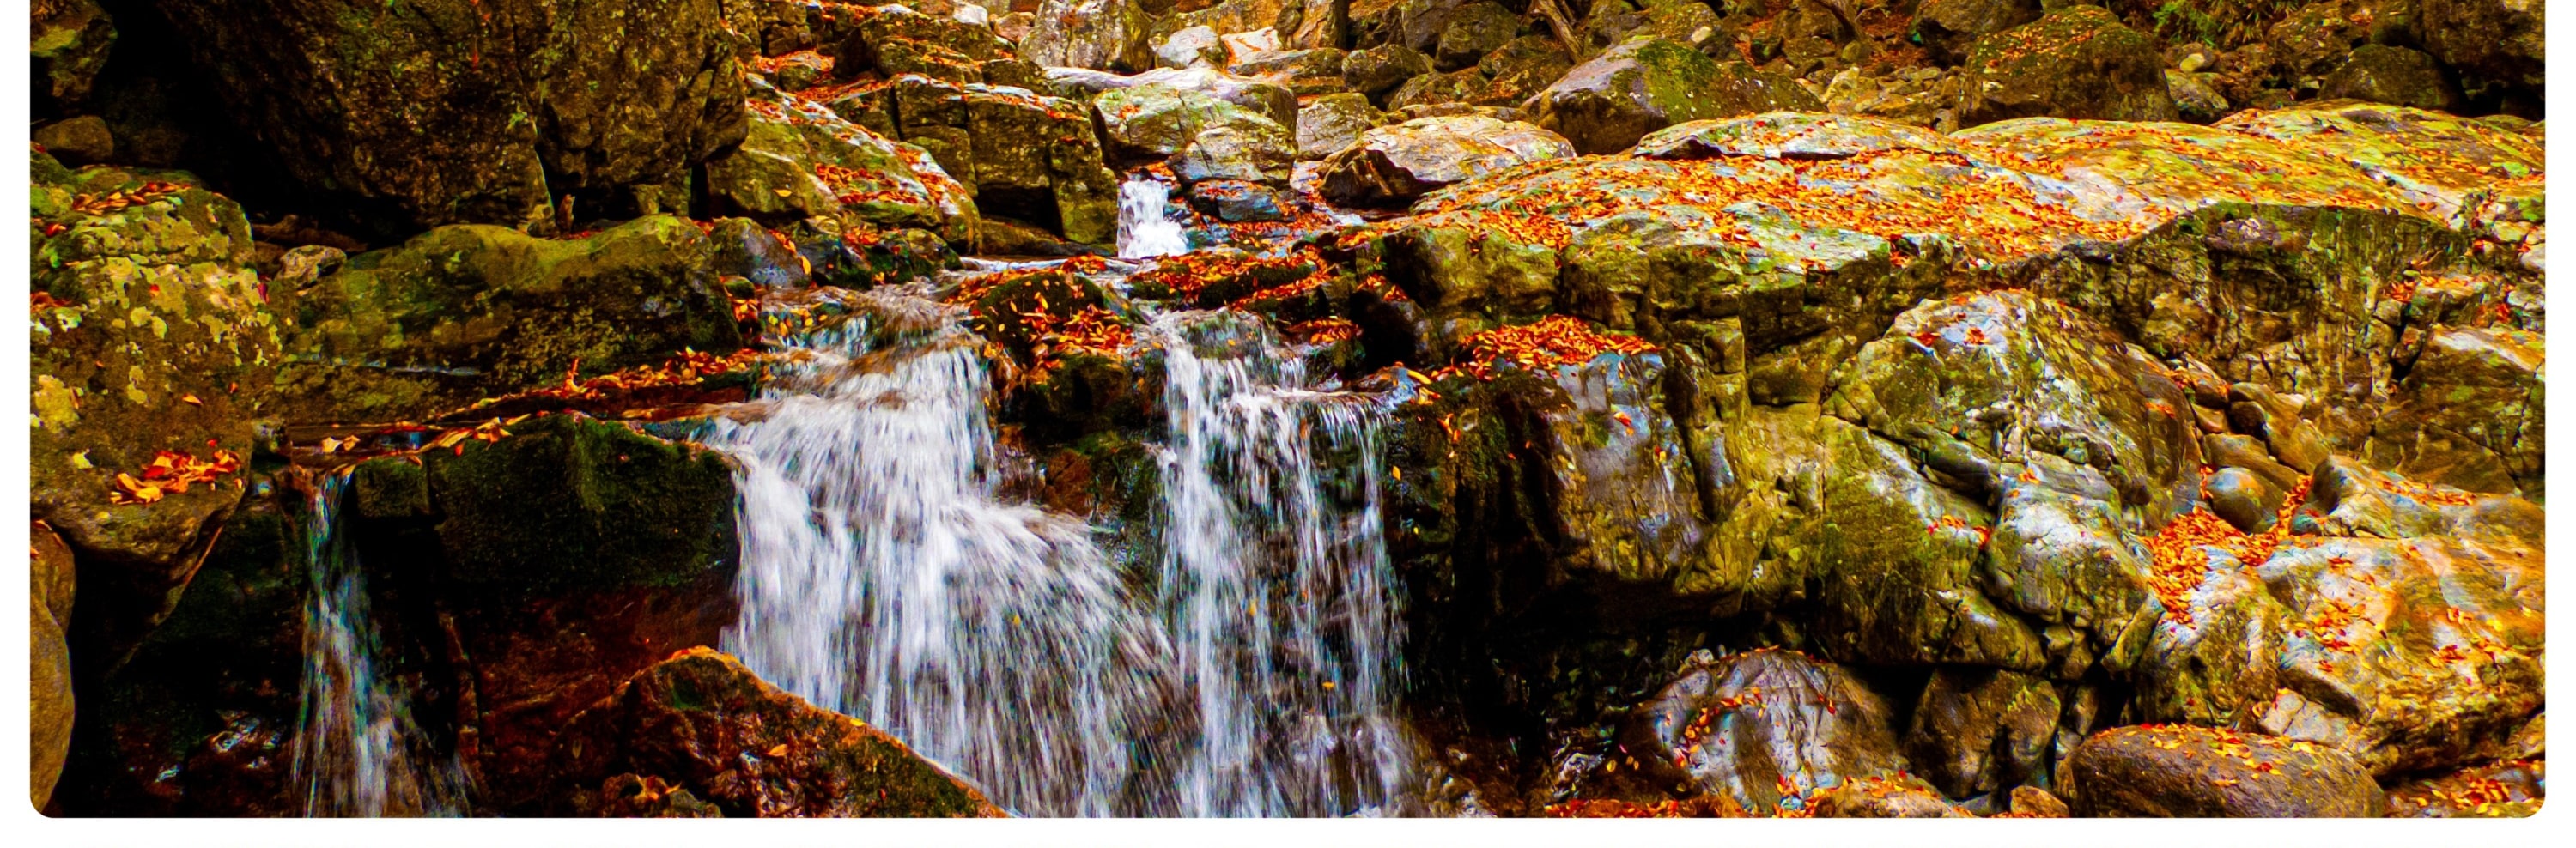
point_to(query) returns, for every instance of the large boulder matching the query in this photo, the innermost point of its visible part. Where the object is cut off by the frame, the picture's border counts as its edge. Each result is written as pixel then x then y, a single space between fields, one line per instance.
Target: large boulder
pixel 1022 155
pixel 466 312
pixel 802 160
pixel 528 100
pixel 2077 62
pixel 2393 75
pixel 1607 103
pixel 1102 35
pixel 1377 71
pixel 1981 730
pixel 1157 119
pixel 1946 28
pixel 1329 123
pixel 68 40
pixel 891 41
pixel 1395 164
pixel 2491 43
pixel 701 725
pixel 2202 772
pixel 155 343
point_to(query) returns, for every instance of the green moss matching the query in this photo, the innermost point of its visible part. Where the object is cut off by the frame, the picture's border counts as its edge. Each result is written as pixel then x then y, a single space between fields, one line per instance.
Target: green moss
pixel 569 502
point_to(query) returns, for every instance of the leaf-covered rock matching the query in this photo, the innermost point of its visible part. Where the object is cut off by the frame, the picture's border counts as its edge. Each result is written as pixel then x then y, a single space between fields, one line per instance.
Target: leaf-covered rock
pixel 1605 104
pixel 2076 62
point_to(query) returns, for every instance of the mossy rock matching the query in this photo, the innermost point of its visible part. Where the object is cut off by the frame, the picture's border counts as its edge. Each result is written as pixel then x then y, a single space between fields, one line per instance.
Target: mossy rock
pixel 571 503
pixel 2074 62
pixel 466 312
pixel 1608 102
pixel 802 160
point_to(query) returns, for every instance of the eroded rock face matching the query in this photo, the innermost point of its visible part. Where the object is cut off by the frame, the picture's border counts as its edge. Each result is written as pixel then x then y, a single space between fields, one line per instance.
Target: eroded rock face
pixel 2185 771
pixel 2077 62
pixel 701 723
pixel 1607 103
pixel 1767 729
pixel 1103 35
pixel 803 160
pixel 1020 154
pixel 467 312
pixel 529 100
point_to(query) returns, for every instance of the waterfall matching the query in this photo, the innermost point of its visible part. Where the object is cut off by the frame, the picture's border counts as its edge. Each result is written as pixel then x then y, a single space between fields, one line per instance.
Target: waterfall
pixel 358 752
pixel 1144 226
pixel 881 577
pixel 1275 583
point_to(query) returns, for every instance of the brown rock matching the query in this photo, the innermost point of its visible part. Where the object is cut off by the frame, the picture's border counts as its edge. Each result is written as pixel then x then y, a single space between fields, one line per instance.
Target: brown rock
pixel 49 661
pixel 703 723
pixel 2186 771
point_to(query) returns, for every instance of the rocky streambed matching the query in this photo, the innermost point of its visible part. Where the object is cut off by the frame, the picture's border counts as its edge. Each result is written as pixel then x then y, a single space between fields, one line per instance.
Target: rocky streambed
pixel 1418 408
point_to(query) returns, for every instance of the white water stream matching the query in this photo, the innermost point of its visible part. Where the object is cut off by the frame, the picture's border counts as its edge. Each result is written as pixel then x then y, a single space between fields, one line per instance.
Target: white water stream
pixel 1145 226
pixel 359 752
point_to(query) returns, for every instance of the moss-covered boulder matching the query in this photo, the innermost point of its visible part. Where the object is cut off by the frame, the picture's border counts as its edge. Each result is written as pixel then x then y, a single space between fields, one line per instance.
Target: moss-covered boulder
pixel 1605 104
pixel 804 160
pixel 1946 28
pixel 568 503
pixel 466 312
pixel 1377 71
pixel 2496 46
pixel 1978 731
pixel 702 723
pixel 1392 165
pixel 2202 772
pixel 69 40
pixel 1159 119
pixel 1329 123
pixel 455 111
pixel 1024 156
pixel 2397 76
pixel 891 41
pixel 2076 62
pixel 154 345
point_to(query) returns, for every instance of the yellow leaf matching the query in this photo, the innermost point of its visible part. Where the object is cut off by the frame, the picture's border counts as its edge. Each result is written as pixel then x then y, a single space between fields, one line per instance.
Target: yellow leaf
pixel 780 750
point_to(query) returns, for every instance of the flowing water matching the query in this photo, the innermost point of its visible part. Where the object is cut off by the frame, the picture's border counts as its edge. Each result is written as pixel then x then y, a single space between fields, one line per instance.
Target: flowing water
pixel 1248 671
pixel 359 752
pixel 1145 225
pixel 1275 584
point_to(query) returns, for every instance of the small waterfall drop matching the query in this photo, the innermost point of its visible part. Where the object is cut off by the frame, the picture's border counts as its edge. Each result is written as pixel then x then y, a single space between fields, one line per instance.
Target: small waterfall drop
pixel 1275 584
pixel 359 751
pixel 1145 227
pixel 881 577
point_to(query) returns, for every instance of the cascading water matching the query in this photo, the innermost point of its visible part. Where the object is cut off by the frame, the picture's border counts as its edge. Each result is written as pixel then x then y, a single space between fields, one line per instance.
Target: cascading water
pixel 881 577
pixel 1252 673
pixel 1145 226
pixel 359 752
pixel 1275 583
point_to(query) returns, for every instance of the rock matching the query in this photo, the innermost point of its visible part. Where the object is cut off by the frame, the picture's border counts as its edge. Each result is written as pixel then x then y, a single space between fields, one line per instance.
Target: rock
pixel 893 41
pixel 1946 28
pixel 527 107
pixel 1395 164
pixel 2076 62
pixel 1520 68
pixel 1239 201
pixel 78 141
pixel 703 723
pixel 1451 89
pixel 1978 731
pixel 2491 43
pixel 1021 155
pixel 2468 413
pixel 1788 135
pixel 1614 22
pixel 2393 75
pixel 1303 72
pixel 1329 123
pixel 2034 802
pixel 1377 71
pixel 2241 498
pixel 202 721
pixel 1157 119
pixel 1252 152
pixel 1261 97
pixel 1104 35
pixel 1241 47
pixel 1472 31
pixel 2506 789
pixel 2195 99
pixel 50 582
pixel 69 41
pixel 743 248
pixel 152 337
pixel 2313 40
pixel 1194 47
pixel 2207 772
pixel 1605 104
pixel 1321 24
pixel 1766 728
pixel 802 160
pixel 558 599
pixel 472 311
pixel 1884 798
